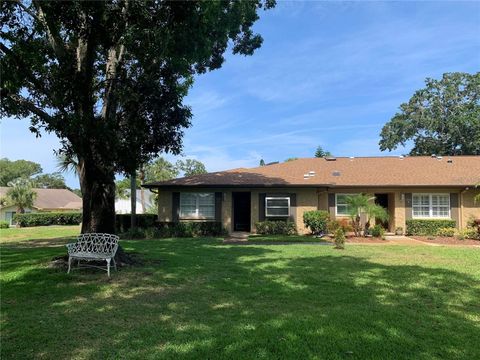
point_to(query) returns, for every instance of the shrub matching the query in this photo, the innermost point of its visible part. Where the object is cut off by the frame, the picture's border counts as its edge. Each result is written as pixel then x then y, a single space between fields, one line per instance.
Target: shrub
pixel 339 238
pixel 446 232
pixel 470 233
pixel 377 231
pixel 316 221
pixel 189 229
pixel 344 224
pixel 136 233
pixel 123 221
pixel 474 224
pixel 426 226
pixel 4 225
pixel 276 227
pixel 48 218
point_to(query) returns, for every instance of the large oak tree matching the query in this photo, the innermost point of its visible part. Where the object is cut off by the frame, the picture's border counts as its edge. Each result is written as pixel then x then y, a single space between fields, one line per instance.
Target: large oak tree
pixel 109 77
pixel 443 118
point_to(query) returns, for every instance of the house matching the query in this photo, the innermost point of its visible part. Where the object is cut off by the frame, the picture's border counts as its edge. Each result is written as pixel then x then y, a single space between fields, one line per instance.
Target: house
pixel 46 200
pixel 408 187
pixel 124 206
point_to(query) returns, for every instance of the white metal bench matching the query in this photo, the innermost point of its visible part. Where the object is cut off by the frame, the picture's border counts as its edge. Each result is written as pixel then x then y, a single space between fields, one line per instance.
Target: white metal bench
pixel 93 247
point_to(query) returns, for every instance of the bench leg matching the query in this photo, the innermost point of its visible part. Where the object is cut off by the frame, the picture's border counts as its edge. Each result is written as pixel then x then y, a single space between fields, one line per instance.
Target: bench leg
pixel 114 264
pixel 69 264
pixel 108 267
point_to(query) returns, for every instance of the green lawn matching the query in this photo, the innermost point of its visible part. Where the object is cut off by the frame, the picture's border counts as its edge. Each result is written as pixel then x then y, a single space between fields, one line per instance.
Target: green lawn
pixel 199 299
pixel 284 238
pixel 37 233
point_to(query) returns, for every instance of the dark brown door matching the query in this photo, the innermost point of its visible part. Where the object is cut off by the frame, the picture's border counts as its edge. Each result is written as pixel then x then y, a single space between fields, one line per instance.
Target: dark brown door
pixel 241 211
pixel 382 200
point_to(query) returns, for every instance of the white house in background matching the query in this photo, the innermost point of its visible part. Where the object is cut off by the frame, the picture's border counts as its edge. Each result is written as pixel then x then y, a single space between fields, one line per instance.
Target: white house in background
pixel 123 206
pixel 46 200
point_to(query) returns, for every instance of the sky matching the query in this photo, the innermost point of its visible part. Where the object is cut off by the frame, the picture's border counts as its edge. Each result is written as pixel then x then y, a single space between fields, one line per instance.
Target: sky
pixel 328 73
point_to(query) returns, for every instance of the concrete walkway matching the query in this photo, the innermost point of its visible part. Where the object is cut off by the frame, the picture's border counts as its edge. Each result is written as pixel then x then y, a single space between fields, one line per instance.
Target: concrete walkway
pixel 405 240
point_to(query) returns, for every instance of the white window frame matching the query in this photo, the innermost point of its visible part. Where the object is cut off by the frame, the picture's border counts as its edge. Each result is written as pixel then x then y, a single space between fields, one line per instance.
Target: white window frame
pixel 197 207
pixel 430 206
pixel 276 207
pixel 336 202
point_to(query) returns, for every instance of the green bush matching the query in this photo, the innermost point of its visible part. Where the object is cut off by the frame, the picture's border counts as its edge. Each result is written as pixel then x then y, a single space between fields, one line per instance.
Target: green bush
pixel 316 221
pixel 190 229
pixel 470 233
pixel 136 233
pixel 4 225
pixel 339 238
pixel 446 232
pixel 279 227
pixel 48 218
pixel 425 227
pixel 377 231
pixel 123 222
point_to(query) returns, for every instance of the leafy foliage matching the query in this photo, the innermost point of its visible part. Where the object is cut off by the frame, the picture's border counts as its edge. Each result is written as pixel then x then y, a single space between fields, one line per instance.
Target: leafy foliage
pixel 160 170
pixel 21 194
pixel 191 167
pixel 12 170
pixel 122 221
pixel 363 204
pixel 48 218
pixel 427 227
pixel 442 119
pixel 446 231
pixel 316 221
pixel 320 153
pixel 49 181
pixel 279 227
pixel 377 231
pixel 339 239
pixel 4 225
pixel 109 78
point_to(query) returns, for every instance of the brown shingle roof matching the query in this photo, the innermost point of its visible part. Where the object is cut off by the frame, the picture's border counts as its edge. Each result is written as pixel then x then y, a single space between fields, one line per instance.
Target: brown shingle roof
pixel 61 199
pixel 362 171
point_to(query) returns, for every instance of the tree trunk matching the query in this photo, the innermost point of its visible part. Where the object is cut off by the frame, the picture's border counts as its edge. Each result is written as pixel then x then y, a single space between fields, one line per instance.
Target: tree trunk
pixel 133 200
pixel 98 188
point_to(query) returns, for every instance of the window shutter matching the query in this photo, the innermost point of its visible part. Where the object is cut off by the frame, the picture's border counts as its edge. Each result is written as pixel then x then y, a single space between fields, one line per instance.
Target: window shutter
pixel 218 206
pixel 454 211
pixel 261 206
pixel 293 199
pixel 331 205
pixel 175 206
pixel 408 206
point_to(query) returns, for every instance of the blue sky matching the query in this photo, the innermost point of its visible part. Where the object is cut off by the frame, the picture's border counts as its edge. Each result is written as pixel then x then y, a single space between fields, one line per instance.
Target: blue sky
pixel 328 73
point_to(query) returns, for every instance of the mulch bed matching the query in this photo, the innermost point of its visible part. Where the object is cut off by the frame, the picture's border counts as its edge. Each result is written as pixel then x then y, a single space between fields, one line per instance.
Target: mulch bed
pixel 446 240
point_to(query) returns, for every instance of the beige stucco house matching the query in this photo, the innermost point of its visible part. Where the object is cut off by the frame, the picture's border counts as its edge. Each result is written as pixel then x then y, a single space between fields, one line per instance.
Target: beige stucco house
pixel 408 187
pixel 46 200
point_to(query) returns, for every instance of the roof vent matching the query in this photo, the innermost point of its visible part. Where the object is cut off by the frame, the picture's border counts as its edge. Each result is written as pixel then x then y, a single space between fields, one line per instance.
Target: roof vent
pixel 401 157
pixel 330 158
pixel 336 173
pixel 439 157
pixel 433 156
pixel 450 161
pixel 352 157
pixel 311 173
pixel 306 176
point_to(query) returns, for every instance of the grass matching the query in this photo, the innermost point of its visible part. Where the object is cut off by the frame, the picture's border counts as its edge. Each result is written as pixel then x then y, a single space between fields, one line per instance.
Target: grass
pixel 198 298
pixel 285 238
pixel 40 232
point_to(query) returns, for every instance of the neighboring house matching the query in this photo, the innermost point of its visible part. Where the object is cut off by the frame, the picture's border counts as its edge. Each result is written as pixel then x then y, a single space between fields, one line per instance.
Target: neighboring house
pixel 124 206
pixel 46 200
pixel 408 187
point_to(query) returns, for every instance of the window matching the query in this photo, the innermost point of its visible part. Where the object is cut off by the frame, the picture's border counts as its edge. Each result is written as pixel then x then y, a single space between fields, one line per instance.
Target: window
pixel 341 204
pixel 431 205
pixel 197 205
pixel 277 206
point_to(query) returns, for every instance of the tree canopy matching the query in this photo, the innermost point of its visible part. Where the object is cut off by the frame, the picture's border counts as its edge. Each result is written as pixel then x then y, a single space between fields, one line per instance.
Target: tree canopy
pixel 321 153
pixel 49 181
pixel 191 167
pixel 11 170
pixel 109 78
pixel 443 118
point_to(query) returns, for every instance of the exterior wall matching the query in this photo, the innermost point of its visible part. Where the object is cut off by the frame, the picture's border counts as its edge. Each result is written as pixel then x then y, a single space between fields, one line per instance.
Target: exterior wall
pixel 313 199
pixel 468 208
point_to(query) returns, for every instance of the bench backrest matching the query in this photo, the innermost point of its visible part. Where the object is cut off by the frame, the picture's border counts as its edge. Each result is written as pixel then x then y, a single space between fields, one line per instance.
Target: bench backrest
pixel 97 243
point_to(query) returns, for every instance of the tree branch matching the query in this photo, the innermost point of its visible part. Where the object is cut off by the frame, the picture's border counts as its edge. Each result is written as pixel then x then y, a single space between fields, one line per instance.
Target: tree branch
pixel 26 104
pixel 54 38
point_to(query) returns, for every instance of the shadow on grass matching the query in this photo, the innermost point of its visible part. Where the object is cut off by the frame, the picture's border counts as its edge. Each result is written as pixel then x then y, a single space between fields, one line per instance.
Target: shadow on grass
pixel 205 300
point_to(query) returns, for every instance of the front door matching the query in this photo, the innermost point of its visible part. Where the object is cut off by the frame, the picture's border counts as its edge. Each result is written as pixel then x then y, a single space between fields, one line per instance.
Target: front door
pixel 241 211
pixel 382 200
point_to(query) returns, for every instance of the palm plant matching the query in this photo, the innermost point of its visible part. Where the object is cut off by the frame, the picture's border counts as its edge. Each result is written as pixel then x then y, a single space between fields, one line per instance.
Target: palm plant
pixel 363 204
pixel 21 194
